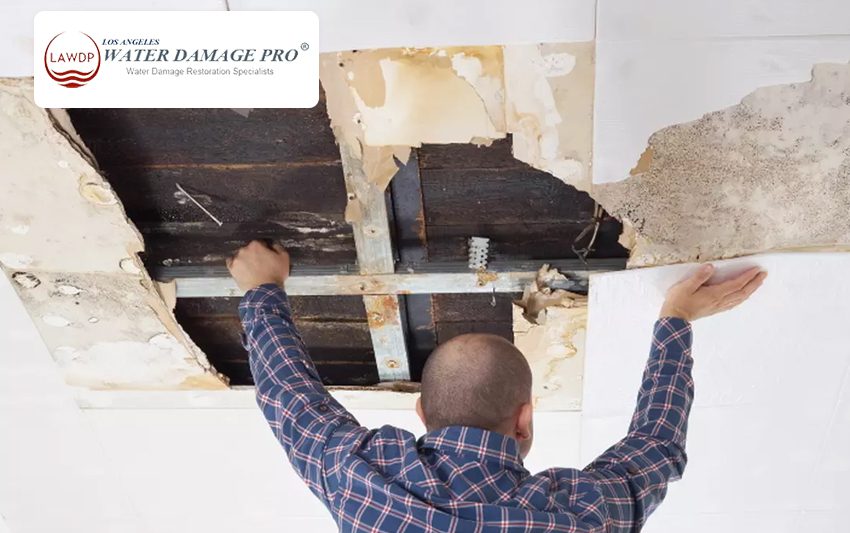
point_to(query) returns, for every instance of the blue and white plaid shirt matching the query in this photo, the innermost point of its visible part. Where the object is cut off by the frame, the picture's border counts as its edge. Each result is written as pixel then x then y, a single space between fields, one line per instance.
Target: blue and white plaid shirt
pixel 460 479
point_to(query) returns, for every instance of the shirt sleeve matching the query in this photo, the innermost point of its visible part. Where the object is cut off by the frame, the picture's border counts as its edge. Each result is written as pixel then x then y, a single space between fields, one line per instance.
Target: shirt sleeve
pixel 300 411
pixel 633 474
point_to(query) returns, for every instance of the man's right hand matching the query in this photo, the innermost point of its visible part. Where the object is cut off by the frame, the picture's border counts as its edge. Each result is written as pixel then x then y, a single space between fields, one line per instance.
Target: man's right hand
pixel 693 298
pixel 257 264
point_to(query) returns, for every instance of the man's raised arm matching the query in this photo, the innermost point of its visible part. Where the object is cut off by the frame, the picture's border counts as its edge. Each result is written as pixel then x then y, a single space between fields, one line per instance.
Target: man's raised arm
pixel 634 473
pixel 300 412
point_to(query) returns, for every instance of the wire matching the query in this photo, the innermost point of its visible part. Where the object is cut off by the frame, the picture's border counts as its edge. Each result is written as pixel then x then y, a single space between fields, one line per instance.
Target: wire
pixel 197 203
pixel 582 253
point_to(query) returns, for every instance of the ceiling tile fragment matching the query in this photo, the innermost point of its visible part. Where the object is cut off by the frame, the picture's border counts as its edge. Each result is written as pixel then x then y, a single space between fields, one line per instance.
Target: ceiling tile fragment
pixel 401 98
pixel 771 173
pixel 549 104
pixel 75 265
pixel 47 185
pixel 555 351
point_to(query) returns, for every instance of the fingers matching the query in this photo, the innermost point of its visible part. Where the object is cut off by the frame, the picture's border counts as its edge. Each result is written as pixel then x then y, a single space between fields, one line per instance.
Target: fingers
pixel 255 245
pixel 740 296
pixel 229 261
pixel 737 283
pixel 700 277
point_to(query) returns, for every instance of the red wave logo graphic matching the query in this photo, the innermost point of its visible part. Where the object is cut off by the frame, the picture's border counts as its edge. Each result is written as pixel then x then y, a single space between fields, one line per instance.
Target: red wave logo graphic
pixel 74 52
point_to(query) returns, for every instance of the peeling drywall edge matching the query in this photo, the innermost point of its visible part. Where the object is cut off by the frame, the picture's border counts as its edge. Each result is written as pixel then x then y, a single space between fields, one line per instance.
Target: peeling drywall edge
pixel 61 121
pixel 525 91
pixel 64 125
pixel 379 163
pixel 535 116
pixel 73 158
pixel 554 348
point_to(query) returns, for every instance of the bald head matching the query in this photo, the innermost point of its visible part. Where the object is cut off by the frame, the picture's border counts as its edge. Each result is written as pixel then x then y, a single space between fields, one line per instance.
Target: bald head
pixel 474 380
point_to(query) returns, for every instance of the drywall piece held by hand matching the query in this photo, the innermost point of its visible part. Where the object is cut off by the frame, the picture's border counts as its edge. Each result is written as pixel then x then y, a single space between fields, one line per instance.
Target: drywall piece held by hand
pixel 770 173
pixel 781 357
pixel 555 352
pixel 549 107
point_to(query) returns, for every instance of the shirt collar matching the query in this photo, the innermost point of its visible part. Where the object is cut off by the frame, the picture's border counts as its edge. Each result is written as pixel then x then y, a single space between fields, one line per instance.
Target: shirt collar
pixel 480 444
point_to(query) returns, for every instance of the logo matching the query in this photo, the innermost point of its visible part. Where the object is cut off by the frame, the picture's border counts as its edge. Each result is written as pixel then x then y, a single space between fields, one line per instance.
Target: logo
pixel 72 59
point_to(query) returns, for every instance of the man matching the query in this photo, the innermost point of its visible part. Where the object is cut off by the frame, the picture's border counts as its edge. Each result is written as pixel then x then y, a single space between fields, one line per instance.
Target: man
pixel 466 473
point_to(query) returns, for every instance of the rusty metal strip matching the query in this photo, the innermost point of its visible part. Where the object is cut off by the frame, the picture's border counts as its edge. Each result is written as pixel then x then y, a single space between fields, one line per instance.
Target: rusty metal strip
pixel 388 339
pixel 394 284
pixel 367 212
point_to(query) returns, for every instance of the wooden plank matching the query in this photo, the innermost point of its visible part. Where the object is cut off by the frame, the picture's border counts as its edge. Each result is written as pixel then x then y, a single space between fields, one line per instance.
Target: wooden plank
pixel 361 374
pixel 234 194
pixel 201 245
pixel 509 196
pixel 412 244
pixel 347 338
pixel 522 241
pixel 477 307
pixel 468 156
pixel 145 136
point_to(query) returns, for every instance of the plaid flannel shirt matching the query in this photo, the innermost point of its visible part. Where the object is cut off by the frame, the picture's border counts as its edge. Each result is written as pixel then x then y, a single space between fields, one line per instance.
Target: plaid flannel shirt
pixel 459 479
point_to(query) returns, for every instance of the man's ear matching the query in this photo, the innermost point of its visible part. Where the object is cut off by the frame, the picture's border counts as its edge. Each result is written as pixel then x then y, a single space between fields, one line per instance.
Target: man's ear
pixel 524 422
pixel 421 412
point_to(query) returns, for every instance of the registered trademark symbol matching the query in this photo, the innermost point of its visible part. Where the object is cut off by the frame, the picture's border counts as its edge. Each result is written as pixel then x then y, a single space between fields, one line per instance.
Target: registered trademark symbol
pixel 305 46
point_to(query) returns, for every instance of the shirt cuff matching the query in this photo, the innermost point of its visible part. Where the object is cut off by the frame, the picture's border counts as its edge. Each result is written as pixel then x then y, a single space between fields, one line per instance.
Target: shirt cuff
pixel 263 300
pixel 673 322
pixel 674 334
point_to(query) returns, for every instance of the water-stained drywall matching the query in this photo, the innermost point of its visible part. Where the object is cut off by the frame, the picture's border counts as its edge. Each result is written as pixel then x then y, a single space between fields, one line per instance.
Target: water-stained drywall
pixel 382 102
pixel 549 329
pixel 770 173
pixel 549 106
pixel 71 254
pixel 555 351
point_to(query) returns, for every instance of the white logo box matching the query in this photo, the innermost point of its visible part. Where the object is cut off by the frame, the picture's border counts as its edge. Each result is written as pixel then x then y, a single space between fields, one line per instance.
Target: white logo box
pixel 205 59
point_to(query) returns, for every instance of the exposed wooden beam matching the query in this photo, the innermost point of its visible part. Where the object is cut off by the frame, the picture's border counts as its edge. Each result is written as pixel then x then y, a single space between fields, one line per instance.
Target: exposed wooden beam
pixel 408 208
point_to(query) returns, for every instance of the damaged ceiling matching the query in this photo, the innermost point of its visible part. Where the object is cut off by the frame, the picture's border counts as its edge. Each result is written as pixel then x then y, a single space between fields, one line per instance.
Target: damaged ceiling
pixel 71 253
pixel 492 141
pixel 470 149
pixel 525 212
pixel 771 173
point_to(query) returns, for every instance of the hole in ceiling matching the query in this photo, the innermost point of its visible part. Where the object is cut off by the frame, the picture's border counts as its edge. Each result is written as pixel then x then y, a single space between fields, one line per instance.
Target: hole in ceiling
pixel 277 175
